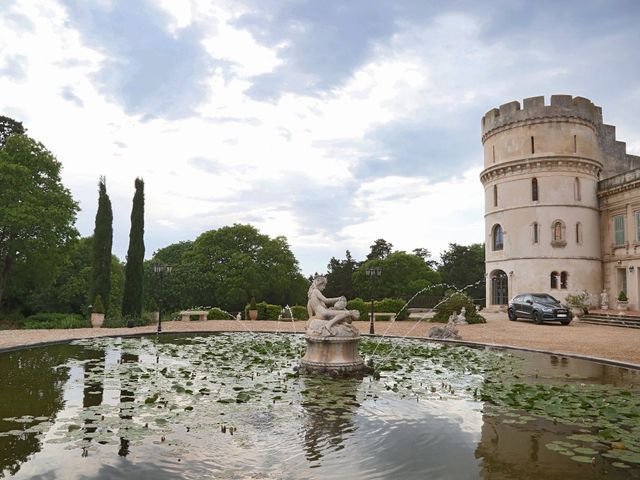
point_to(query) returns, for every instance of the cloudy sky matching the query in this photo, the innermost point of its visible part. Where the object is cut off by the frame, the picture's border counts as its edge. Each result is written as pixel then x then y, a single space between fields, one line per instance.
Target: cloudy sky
pixel 333 123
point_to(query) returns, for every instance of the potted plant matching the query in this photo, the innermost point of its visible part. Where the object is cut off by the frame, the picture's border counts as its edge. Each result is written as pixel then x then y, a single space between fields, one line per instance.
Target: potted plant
pixel 154 310
pixel 97 313
pixel 623 301
pixel 578 303
pixel 253 309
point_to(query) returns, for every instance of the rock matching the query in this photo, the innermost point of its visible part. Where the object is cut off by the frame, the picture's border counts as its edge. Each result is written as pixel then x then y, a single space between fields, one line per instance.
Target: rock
pixel 444 331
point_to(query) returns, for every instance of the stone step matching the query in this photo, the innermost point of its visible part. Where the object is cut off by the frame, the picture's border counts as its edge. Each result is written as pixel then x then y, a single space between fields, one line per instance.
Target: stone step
pixel 612 320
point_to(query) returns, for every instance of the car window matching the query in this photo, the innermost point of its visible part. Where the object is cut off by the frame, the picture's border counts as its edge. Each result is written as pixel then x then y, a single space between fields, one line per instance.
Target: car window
pixel 517 299
pixel 527 297
pixel 544 299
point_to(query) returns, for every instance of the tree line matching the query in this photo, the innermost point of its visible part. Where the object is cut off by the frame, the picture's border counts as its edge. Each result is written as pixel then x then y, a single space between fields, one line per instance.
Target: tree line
pixel 46 267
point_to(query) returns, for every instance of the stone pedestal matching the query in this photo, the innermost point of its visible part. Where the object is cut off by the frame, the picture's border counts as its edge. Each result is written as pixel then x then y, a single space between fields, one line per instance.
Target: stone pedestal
pixel 332 355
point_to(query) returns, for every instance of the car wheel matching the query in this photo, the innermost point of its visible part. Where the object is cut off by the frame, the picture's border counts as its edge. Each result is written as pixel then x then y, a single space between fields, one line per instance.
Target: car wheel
pixel 565 322
pixel 537 318
pixel 512 315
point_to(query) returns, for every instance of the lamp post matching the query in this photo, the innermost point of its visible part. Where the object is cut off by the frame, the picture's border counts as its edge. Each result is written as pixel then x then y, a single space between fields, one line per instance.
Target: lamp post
pixel 373 274
pixel 160 270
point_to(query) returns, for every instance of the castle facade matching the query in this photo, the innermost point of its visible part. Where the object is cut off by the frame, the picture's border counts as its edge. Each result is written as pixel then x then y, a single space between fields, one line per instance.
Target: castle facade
pixel 562 202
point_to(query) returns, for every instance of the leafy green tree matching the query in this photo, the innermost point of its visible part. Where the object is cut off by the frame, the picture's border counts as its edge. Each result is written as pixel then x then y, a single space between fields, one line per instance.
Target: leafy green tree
pixel 462 266
pixel 102 241
pixel 69 292
pixel 37 214
pixel 9 126
pixel 134 272
pixel 380 249
pixel 225 267
pixel 403 275
pixel 340 276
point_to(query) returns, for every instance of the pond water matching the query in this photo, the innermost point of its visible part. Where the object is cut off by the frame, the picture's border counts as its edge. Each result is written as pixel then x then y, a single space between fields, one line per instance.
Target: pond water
pixel 232 406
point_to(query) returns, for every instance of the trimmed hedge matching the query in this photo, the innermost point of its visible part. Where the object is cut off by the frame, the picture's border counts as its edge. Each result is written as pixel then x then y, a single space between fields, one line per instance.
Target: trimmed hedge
pixel 217 314
pixel 299 313
pixel 454 303
pixel 387 305
pixel 56 320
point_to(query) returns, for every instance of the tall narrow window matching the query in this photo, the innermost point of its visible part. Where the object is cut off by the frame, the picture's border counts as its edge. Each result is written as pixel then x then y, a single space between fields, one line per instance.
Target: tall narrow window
pixel 622 279
pixel 495 195
pixel 638 226
pixel 577 194
pixel 493 147
pixel 534 189
pixel 536 232
pixel 564 280
pixel 554 279
pixel 575 144
pixel 533 146
pixel 578 233
pixel 497 237
pixel 618 230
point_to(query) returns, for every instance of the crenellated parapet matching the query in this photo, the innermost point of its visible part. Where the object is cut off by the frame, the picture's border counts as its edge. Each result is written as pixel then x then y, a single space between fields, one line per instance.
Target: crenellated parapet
pixel 534 108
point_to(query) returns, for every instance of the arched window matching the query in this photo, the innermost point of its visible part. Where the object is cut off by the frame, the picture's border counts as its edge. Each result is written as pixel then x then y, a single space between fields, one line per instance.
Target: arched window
pixel 578 233
pixel 563 280
pixel 534 189
pixel 554 279
pixel 535 231
pixel 577 194
pixel 497 237
pixel 495 195
pixel 558 236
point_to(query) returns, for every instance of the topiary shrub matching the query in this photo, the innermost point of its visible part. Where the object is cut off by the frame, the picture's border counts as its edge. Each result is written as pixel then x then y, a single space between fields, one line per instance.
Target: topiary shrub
pixel 622 297
pixel 454 303
pixel 217 314
pixel 252 304
pixel 98 306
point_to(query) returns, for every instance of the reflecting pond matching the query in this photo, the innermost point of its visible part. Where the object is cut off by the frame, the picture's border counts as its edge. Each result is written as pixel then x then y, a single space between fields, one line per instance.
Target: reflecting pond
pixel 233 406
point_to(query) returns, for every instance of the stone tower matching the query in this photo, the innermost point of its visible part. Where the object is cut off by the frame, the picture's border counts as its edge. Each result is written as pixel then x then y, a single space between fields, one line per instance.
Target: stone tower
pixel 542 164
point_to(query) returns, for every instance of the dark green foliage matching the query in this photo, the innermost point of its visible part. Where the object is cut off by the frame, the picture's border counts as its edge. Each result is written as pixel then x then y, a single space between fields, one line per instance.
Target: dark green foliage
pixel 153 305
pixel 217 314
pixel 380 250
pixel 252 304
pixel 102 240
pixel 462 266
pixel 9 126
pixel 340 276
pixel 622 297
pixel 134 271
pixel 359 304
pixel 98 306
pixel 225 267
pixel 56 320
pixel 299 312
pixel 37 215
pixel 117 321
pixel 403 275
pixel 454 303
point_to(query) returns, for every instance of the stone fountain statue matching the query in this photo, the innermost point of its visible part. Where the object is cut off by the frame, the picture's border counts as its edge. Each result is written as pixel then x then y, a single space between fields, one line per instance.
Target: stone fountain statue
pixel 332 341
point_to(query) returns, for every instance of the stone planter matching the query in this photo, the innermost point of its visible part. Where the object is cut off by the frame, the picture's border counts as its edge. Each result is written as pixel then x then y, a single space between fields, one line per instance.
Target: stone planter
pixel 253 314
pixel 155 317
pixel 97 319
pixel 622 305
pixel 576 313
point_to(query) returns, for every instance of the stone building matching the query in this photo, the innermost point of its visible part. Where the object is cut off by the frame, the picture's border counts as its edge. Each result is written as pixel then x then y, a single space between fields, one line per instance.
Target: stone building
pixel 562 202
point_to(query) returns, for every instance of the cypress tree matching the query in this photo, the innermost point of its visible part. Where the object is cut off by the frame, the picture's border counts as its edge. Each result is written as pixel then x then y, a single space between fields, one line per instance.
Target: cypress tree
pixel 134 272
pixel 102 240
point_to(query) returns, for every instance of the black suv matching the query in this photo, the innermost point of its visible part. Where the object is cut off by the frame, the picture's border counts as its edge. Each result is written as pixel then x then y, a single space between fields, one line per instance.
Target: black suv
pixel 540 307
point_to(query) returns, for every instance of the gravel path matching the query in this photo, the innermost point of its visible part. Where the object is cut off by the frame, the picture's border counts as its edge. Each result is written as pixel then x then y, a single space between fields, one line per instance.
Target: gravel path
pixel 611 343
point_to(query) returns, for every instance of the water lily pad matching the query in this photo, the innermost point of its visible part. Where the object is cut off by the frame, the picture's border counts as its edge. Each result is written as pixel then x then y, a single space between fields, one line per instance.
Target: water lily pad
pixel 581 459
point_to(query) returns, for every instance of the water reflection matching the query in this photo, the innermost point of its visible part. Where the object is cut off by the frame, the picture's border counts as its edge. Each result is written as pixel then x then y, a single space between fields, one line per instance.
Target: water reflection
pixel 126 397
pixel 32 388
pixel 329 406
